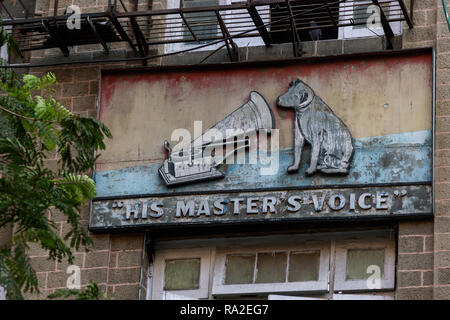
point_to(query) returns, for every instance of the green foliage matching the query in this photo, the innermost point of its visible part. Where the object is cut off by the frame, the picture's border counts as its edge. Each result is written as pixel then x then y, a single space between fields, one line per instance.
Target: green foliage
pixel 33 127
pixel 91 292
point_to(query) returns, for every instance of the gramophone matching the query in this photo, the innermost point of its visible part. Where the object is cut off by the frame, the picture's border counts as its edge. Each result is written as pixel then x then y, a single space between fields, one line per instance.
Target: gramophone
pixel 196 162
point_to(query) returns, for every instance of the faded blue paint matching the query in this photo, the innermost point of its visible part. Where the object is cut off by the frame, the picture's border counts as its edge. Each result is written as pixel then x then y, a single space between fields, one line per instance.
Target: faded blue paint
pixel 402 158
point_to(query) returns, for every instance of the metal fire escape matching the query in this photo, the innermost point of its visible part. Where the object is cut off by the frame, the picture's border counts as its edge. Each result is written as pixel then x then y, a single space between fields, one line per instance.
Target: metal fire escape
pixel 273 21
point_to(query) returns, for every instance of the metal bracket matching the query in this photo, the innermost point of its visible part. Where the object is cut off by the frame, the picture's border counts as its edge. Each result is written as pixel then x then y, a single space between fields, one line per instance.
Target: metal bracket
pixel 295 37
pixel 100 39
pixel 264 33
pixel 389 34
pixel 55 36
pixel 233 51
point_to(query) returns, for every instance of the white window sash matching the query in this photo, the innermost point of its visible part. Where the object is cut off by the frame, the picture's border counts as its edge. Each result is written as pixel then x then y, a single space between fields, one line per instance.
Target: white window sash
pixel 282 297
pixel 345 14
pixel 387 282
pixel 363 297
pixel 4 49
pixel 158 291
pixel 167 295
pixel 2 293
pixel 319 286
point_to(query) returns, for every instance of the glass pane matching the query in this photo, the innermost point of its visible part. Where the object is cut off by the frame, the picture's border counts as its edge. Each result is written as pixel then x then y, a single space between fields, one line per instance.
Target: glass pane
pixel 271 267
pixel 239 269
pixel 182 274
pixel 360 14
pixel 304 266
pixel 203 24
pixel 359 260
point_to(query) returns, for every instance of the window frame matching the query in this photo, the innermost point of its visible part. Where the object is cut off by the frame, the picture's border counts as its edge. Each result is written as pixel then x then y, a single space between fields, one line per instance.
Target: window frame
pixel 341 284
pixel 240 42
pixel 343 296
pixel 319 286
pixel 2 293
pixel 350 33
pixel 158 292
pixel 4 49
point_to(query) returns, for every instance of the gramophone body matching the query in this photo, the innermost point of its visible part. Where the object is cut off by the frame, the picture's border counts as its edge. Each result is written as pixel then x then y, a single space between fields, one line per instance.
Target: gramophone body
pixel 196 163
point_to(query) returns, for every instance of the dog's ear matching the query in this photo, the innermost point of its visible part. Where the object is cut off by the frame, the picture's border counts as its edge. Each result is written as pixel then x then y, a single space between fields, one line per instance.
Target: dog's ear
pixel 295 82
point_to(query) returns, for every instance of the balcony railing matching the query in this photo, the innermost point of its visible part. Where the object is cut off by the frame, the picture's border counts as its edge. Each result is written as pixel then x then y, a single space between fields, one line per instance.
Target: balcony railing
pixel 273 21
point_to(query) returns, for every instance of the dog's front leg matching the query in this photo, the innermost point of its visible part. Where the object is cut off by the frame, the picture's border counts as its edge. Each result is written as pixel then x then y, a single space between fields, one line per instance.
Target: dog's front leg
pixel 299 141
pixel 315 150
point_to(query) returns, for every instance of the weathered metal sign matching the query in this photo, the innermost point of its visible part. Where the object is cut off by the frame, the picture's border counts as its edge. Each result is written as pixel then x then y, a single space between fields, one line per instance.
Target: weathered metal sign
pixel 351 138
pixel 268 206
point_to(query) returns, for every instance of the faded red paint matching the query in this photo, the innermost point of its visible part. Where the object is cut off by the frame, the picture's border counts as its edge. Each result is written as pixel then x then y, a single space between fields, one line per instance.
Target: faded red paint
pixel 233 79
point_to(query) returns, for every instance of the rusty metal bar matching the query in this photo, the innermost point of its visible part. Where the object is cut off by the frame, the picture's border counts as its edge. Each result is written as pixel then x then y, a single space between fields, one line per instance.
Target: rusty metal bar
pixel 213 52
pixel 123 6
pixel 6 10
pixel 137 36
pixel 225 34
pixel 27 13
pixel 254 17
pixel 163 12
pixel 411 10
pixel 295 36
pixel 98 36
pixel 325 2
pixel 386 27
pixel 55 36
pixel 188 26
pixel 122 32
pixel 55 8
pixel 405 13
pixel 265 35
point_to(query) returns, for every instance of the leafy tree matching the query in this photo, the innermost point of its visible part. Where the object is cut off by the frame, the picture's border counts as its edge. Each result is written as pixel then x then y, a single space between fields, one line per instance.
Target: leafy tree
pixel 34 125
pixel 91 292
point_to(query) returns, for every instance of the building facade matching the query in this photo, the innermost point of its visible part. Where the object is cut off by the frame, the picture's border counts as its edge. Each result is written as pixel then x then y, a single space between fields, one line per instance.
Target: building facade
pixel 364 216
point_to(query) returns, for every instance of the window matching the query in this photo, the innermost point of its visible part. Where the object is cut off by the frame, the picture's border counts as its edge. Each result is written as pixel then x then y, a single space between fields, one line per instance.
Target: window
pixel 308 13
pixel 338 266
pixel 283 269
pixel 357 261
pixel 206 24
pixel 313 20
pixel 203 24
pixel 360 11
pixel 181 273
pixel 4 49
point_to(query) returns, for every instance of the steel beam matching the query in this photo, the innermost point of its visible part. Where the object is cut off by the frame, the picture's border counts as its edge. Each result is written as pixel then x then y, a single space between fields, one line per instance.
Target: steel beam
pixel 295 36
pixel 188 26
pixel 6 10
pixel 99 37
pixel 265 35
pixel 325 2
pixel 55 8
pixel 386 27
pixel 232 52
pixel 122 32
pixel 53 32
pixel 405 13
pixel 139 37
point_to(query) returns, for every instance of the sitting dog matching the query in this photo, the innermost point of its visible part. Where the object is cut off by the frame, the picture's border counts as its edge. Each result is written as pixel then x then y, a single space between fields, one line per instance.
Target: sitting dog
pixel 315 122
